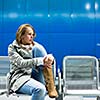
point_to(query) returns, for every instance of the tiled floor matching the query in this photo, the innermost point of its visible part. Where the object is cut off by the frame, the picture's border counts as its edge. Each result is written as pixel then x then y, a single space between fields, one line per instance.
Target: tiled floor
pixel 79 98
pixel 11 97
pixel 4 97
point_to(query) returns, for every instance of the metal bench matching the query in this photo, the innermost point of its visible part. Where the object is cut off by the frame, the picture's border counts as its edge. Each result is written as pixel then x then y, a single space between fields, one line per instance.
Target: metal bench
pixel 80 76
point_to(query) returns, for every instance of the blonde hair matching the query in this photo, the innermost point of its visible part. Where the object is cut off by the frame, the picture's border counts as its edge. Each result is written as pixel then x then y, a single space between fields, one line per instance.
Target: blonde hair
pixel 21 31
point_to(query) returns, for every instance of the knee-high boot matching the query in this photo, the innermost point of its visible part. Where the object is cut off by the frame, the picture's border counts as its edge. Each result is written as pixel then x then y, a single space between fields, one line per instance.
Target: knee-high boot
pixel 49 79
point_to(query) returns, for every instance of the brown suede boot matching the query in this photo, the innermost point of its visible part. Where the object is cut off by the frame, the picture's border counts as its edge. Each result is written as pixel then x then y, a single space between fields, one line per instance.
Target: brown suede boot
pixel 50 86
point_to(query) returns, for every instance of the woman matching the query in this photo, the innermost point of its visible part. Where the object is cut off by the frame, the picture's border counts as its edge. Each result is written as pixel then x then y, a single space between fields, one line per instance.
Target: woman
pixel 30 65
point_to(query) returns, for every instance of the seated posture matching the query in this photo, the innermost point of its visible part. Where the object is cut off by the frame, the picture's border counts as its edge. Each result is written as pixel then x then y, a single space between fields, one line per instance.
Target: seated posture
pixel 31 66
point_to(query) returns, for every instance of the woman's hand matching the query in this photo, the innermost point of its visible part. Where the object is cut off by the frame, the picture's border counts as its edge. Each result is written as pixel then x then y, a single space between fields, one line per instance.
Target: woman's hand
pixel 48 60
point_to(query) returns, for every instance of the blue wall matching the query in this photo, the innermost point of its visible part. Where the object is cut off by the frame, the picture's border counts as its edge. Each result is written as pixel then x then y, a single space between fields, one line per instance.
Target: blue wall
pixel 64 27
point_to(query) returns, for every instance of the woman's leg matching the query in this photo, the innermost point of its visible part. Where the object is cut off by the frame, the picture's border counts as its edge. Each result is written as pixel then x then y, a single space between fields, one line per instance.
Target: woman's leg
pixel 44 73
pixel 38 75
pixel 34 88
pixel 38 51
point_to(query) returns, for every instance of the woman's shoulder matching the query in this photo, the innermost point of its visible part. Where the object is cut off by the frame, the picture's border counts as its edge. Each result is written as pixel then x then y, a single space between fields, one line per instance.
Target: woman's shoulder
pixel 13 45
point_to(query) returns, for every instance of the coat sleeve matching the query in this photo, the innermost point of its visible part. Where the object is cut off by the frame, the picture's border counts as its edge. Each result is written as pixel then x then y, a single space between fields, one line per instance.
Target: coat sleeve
pixel 18 61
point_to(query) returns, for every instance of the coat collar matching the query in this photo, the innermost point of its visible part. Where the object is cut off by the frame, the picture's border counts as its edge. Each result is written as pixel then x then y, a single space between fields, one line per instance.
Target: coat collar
pixel 27 47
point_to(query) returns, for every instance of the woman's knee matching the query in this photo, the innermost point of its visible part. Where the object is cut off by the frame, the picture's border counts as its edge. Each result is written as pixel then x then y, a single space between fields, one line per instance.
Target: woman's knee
pixel 41 90
pixel 39 51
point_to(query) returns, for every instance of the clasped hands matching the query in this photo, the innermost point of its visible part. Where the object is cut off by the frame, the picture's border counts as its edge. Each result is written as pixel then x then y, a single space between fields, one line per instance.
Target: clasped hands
pixel 48 60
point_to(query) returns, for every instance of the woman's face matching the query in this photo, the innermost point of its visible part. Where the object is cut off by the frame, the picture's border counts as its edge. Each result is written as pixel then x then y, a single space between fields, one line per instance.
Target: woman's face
pixel 27 38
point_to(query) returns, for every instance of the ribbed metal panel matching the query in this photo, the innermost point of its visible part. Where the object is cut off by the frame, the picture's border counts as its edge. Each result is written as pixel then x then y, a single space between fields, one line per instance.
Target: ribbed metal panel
pixel 4 69
pixel 80 73
pixel 3 82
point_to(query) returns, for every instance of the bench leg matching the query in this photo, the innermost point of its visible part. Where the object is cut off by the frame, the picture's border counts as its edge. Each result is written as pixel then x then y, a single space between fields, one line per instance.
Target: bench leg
pixel 98 98
pixel 60 97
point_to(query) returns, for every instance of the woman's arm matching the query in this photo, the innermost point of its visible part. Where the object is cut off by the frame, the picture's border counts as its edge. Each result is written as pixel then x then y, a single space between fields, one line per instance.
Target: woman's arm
pixel 18 61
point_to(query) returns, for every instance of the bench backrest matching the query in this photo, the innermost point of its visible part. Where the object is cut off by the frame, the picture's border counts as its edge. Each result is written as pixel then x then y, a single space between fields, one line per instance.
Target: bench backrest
pixel 4 69
pixel 80 72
